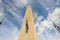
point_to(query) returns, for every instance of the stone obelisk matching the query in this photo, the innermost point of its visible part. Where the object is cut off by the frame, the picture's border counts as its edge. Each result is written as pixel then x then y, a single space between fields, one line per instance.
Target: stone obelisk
pixel 27 31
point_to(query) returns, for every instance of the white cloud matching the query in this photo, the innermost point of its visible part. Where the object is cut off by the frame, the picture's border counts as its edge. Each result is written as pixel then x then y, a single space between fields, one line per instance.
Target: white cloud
pixel 48 36
pixel 0 1
pixel 37 24
pixel 35 15
pixel 47 3
pixel 11 10
pixel 43 25
pixel 8 32
pixel 55 15
pixel 1 14
pixel 22 3
pixel 47 24
pixel 58 2
pixel 39 18
pixel 15 14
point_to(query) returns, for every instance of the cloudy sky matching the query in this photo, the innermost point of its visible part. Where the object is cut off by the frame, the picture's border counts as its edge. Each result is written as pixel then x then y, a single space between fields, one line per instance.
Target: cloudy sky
pixel 12 13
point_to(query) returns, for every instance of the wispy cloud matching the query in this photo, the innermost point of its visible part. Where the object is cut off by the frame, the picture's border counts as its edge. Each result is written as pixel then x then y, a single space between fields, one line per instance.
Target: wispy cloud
pixel 6 34
pixel 15 13
pixel 1 13
pixel 47 3
pixel 55 15
pixel 46 26
pixel 22 3
pixel 8 31
pixel 0 1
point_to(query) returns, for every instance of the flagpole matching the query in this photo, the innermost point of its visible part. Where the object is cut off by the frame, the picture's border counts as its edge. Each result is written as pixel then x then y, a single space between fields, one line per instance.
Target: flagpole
pixel 58 29
pixel 28 27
